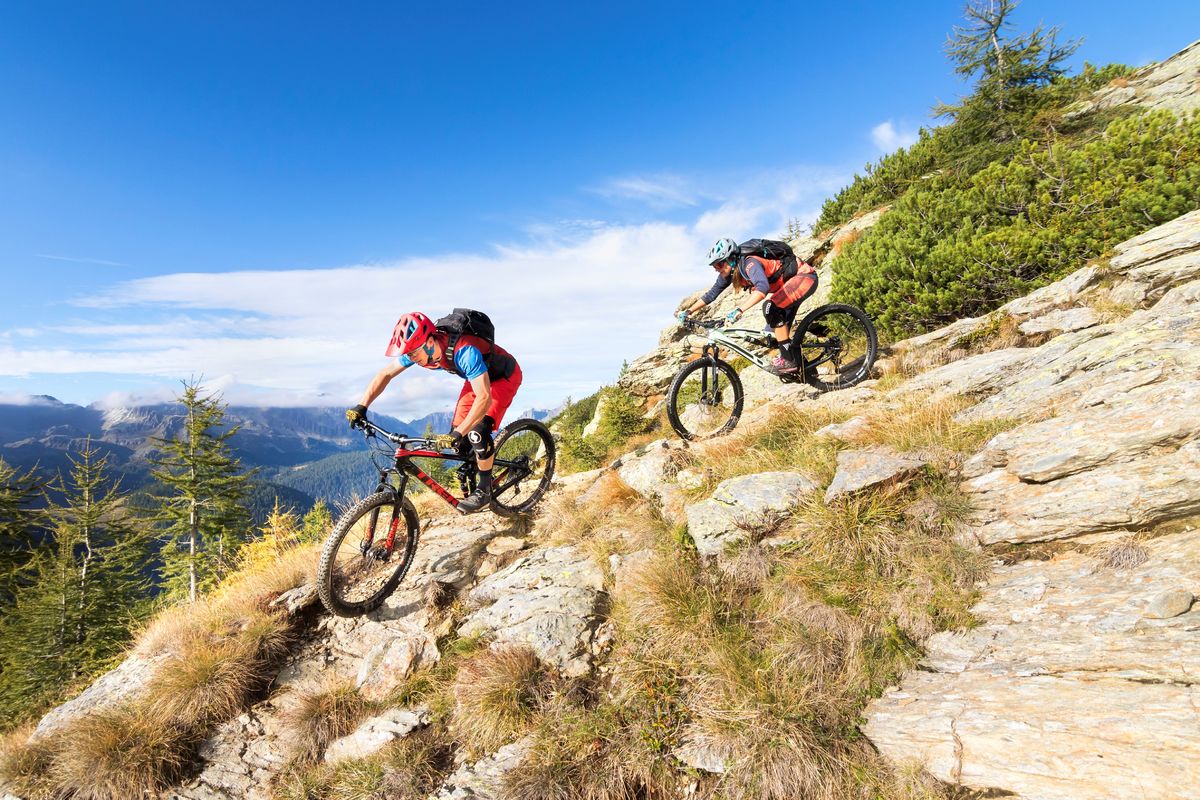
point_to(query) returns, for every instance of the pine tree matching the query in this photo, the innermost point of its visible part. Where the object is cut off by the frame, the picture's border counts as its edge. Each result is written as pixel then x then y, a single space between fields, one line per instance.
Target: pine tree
pixel 316 523
pixel 20 525
pixel 1010 71
pixel 204 508
pixel 86 586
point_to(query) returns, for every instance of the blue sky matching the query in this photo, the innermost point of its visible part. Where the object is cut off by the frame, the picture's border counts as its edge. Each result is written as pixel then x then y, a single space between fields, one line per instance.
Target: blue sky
pixel 253 193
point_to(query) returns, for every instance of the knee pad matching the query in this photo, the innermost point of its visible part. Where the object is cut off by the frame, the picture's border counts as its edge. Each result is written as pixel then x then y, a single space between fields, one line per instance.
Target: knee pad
pixel 774 315
pixel 480 438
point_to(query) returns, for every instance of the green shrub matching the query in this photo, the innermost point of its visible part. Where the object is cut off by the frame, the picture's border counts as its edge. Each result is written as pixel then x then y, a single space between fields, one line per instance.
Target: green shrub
pixel 960 246
pixel 621 420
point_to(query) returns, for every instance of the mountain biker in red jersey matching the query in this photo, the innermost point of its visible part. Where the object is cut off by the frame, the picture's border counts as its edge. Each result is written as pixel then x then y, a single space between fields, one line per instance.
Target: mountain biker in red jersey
pixel 765 279
pixel 491 376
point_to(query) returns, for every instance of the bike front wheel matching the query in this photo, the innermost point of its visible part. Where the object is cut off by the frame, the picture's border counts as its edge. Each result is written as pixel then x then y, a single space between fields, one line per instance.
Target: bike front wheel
pixel 705 399
pixel 524 467
pixel 358 569
pixel 839 345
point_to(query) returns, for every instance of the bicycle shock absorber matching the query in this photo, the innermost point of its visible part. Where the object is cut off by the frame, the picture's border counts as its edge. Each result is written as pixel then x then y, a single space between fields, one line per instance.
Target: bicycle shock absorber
pixel 467 477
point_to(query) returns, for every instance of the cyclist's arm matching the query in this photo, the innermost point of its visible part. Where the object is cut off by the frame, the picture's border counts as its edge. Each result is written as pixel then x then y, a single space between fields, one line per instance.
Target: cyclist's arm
pixel 757 275
pixel 380 382
pixel 482 386
pixel 721 285
pixel 755 298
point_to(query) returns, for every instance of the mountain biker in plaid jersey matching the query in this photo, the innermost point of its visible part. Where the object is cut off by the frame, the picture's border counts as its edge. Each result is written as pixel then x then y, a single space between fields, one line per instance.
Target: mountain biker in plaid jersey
pixel 491 379
pixel 763 278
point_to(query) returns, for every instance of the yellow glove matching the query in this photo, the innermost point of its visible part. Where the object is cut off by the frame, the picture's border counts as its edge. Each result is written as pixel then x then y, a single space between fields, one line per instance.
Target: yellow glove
pixel 356 416
pixel 448 441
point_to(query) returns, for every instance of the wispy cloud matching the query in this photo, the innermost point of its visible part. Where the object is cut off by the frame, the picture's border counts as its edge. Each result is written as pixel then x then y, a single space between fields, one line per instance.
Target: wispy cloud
pixel 659 192
pixel 887 137
pixel 23 399
pixel 81 260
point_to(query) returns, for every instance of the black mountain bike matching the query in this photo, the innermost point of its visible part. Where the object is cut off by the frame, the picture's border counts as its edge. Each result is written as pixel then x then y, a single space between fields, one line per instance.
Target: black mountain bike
pixel 836 345
pixel 373 543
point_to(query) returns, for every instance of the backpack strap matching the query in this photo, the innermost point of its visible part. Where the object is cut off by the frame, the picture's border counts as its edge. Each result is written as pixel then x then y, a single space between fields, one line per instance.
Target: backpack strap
pixel 448 354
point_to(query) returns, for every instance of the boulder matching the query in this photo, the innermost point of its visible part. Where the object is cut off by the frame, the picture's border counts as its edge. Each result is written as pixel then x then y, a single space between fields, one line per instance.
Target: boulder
pixel 115 687
pixel 740 505
pixel 549 600
pixel 484 779
pixel 862 469
pixel 1172 84
pixel 650 471
pixel 849 431
pixel 594 423
pixel 390 662
pixel 373 734
pixel 1135 494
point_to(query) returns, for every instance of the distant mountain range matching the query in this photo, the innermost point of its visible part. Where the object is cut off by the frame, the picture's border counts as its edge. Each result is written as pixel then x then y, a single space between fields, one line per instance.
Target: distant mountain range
pixel 310 451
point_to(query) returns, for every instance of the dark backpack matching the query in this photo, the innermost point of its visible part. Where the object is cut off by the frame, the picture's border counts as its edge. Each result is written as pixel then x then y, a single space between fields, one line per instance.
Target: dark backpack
pixel 466 320
pixel 774 250
pixel 462 321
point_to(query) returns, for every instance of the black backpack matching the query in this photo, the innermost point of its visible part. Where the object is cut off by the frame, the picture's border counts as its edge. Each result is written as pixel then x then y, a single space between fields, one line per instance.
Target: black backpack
pixel 475 323
pixel 466 320
pixel 773 249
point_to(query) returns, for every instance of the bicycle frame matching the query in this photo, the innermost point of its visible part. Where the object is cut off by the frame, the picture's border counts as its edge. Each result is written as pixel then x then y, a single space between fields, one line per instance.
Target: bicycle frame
pixel 732 339
pixel 738 339
pixel 405 468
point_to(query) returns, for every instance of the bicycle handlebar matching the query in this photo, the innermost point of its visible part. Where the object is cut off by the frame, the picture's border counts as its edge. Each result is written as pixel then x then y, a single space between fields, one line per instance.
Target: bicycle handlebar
pixel 370 429
pixel 702 324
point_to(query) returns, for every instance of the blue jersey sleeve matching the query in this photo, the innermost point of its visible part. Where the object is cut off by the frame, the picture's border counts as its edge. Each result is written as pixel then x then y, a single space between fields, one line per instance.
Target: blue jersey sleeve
pixel 469 361
pixel 405 361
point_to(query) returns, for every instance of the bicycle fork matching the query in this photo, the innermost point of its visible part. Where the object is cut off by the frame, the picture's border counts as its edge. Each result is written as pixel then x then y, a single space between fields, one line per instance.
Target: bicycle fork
pixel 384 550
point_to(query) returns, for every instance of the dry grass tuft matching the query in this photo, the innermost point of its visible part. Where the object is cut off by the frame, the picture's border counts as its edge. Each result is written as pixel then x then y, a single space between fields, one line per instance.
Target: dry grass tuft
pixel 593 753
pixel 122 753
pixel 269 570
pixel 1110 310
pixel 25 765
pixel 785 443
pixel 210 679
pixel 496 694
pixel 1126 553
pixel 415 766
pixel 748 566
pixel 614 519
pixel 921 425
pixel 328 713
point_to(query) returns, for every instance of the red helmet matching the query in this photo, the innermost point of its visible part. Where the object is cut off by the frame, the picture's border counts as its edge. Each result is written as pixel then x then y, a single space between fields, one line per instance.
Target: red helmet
pixel 410 333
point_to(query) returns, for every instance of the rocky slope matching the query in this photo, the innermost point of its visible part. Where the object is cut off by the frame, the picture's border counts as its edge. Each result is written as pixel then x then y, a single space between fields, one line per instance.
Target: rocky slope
pixel 1079 678
pixel 1081 674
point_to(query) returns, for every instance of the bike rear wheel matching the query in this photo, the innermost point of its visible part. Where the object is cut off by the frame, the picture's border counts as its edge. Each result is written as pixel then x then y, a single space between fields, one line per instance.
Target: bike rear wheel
pixel 705 399
pixel 524 467
pixel 839 345
pixel 357 571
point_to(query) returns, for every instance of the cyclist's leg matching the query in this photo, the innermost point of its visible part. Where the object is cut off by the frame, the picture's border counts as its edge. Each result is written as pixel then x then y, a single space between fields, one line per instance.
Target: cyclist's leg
pixel 503 392
pixel 466 399
pixel 782 313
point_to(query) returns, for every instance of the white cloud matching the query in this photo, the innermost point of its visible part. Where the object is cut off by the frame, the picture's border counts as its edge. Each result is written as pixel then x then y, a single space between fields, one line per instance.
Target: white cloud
pixel 888 138
pixel 571 303
pixel 23 399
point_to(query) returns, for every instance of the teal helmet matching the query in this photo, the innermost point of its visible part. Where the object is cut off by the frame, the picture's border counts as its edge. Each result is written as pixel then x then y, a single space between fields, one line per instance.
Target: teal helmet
pixel 722 251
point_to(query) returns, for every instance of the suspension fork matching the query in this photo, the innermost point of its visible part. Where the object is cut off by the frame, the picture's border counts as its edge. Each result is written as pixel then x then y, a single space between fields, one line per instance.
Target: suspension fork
pixel 711 351
pixel 385 485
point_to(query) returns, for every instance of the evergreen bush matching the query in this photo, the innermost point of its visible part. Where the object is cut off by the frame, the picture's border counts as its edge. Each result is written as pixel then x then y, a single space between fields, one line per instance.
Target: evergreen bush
pixel 961 245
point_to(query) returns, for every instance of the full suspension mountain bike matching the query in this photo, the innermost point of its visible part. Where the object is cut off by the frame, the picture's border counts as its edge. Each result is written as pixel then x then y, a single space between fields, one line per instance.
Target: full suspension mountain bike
pixel 835 344
pixel 373 543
